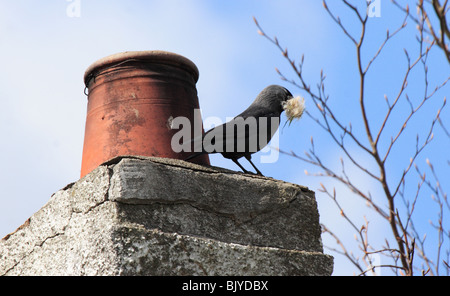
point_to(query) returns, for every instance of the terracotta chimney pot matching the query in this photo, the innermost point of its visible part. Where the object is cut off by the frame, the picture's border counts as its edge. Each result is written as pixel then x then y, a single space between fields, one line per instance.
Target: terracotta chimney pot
pixel 132 96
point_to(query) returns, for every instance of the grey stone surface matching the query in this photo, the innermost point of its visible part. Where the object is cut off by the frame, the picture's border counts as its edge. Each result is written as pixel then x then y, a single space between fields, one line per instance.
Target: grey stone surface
pixel 153 216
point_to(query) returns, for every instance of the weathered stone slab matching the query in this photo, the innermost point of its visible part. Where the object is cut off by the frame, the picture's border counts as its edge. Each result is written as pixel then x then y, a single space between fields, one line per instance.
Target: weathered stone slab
pixel 152 216
pixel 235 208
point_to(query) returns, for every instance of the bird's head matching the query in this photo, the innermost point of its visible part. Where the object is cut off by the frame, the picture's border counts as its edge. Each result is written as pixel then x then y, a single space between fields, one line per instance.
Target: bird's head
pixel 273 97
pixel 278 99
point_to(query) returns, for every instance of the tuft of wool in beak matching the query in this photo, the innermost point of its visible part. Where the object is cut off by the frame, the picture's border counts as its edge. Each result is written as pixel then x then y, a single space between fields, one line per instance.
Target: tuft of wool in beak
pixel 294 108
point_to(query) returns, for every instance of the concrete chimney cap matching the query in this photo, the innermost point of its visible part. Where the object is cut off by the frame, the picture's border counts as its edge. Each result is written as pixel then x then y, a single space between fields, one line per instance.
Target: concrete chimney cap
pixel 156 56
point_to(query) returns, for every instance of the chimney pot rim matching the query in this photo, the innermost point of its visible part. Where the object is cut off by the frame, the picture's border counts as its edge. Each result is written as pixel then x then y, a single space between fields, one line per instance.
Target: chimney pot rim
pixel 160 56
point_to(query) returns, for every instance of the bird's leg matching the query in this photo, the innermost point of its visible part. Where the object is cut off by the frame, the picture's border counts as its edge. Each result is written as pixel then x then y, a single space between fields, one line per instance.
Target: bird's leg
pixel 242 168
pixel 249 157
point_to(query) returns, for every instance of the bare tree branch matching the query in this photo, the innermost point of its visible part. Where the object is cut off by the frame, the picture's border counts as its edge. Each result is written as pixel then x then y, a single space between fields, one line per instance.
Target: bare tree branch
pixel 403 229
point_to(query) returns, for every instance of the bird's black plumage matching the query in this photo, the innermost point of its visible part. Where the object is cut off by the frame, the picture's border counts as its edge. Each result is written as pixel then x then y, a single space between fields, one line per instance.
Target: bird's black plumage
pixel 248 132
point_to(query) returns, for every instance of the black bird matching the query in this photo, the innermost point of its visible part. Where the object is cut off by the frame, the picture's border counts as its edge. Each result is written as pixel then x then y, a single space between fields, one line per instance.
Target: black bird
pixel 248 132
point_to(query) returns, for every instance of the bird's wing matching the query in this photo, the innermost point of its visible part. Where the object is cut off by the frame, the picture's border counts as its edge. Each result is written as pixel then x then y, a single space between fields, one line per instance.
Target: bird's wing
pixel 220 137
pixel 214 141
pixel 241 134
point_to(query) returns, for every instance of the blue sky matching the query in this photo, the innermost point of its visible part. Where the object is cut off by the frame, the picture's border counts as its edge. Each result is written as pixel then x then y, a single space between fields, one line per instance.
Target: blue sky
pixel 45 53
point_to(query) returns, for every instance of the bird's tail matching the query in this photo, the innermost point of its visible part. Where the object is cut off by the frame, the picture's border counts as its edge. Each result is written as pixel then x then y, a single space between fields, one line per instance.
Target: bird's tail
pixel 197 145
pixel 194 155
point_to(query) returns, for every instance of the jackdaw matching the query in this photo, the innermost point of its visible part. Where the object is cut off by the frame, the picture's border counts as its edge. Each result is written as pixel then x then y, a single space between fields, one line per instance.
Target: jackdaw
pixel 248 132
